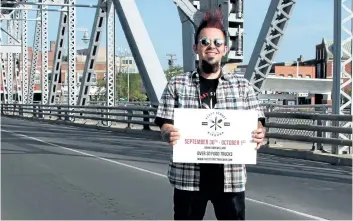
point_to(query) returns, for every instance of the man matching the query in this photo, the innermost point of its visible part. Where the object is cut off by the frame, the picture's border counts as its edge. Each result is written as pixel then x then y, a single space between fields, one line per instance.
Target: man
pixel 207 87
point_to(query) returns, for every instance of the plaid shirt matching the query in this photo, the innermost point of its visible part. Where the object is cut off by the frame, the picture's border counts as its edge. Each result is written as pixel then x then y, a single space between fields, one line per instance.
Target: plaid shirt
pixel 183 91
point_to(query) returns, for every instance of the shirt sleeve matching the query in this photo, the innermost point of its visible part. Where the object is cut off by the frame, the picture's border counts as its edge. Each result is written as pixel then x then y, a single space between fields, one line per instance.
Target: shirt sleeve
pixel 253 103
pixel 168 101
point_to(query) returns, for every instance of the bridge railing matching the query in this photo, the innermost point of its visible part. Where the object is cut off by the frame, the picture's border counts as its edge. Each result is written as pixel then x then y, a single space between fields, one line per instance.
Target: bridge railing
pixel 313 127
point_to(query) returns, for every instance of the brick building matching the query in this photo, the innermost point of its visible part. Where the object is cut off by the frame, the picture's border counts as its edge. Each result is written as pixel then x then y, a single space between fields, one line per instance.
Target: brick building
pixel 320 67
pixel 324 64
pixel 122 63
pixel 296 69
pixel 299 69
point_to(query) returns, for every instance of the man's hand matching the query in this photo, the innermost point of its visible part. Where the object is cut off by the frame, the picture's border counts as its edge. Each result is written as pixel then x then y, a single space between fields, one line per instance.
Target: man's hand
pixel 259 137
pixel 170 134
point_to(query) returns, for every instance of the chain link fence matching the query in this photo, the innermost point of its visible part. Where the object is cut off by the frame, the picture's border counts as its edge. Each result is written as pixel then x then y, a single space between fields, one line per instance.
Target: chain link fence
pixel 318 109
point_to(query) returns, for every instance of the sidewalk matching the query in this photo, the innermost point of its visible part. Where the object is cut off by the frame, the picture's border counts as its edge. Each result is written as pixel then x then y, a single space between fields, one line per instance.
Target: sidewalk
pixel 303 150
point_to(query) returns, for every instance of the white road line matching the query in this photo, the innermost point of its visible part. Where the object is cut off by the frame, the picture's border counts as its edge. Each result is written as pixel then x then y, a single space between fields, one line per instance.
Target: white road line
pixel 154 173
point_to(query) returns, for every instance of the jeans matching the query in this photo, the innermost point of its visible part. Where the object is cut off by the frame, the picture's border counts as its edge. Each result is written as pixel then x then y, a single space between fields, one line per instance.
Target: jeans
pixel 191 205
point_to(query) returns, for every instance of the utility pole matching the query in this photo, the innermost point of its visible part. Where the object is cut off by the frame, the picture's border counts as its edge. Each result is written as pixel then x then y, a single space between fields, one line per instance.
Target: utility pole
pixel 171 60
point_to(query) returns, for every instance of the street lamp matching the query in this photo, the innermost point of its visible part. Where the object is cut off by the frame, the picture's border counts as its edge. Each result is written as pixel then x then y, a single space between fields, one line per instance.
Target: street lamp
pixel 85 37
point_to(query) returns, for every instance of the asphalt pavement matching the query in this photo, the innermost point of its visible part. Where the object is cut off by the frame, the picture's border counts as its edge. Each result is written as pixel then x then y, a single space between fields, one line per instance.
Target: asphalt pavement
pixel 64 172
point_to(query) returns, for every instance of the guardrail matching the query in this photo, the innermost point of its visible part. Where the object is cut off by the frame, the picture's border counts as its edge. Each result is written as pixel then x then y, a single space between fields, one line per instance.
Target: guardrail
pixel 317 124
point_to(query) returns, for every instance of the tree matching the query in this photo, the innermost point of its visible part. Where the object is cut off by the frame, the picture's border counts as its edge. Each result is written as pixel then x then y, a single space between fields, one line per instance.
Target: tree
pixel 135 82
pixel 100 93
pixel 122 88
pixel 173 71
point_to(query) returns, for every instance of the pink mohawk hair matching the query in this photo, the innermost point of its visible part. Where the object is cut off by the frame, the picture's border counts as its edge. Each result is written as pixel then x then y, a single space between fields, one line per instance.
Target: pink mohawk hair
pixel 214 19
pixel 211 19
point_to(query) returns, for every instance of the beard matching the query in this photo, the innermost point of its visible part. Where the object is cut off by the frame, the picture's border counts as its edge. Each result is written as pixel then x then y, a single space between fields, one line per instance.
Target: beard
pixel 209 68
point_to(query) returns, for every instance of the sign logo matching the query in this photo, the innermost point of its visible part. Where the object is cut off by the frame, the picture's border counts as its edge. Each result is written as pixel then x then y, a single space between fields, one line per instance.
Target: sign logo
pixel 215 122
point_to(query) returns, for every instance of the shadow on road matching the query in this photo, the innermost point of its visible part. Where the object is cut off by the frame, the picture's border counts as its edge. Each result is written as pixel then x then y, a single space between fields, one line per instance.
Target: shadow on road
pixel 141 149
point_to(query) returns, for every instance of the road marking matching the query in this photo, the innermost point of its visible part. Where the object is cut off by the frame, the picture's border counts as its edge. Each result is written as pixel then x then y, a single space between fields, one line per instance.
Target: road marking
pixel 156 174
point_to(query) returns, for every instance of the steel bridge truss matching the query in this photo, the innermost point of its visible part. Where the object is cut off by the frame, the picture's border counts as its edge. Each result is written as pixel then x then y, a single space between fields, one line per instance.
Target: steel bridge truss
pixel 14 66
pixel 141 46
pixel 342 66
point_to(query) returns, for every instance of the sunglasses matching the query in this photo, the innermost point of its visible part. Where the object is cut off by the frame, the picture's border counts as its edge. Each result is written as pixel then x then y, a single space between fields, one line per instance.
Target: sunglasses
pixel 206 42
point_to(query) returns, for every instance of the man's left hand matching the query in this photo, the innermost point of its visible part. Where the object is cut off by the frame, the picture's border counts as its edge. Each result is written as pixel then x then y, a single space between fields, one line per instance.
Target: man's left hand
pixel 259 137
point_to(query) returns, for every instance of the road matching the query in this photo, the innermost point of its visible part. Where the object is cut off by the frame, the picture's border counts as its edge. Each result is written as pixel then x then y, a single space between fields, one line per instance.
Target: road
pixel 61 172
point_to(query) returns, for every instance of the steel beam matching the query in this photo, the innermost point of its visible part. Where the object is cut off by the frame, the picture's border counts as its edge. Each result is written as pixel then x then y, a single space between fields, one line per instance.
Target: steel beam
pixel 188 32
pixel 56 3
pixel 347 77
pixel 110 76
pixel 24 40
pixel 267 44
pixel 10 49
pixel 35 51
pixel 4 81
pixel 18 76
pixel 3 67
pixel 58 55
pixel 142 49
pixel 93 49
pixel 341 77
pixel 337 52
pixel 44 47
pixel 72 55
pixel 9 74
pixel 190 59
pixel 13 37
pixel 189 11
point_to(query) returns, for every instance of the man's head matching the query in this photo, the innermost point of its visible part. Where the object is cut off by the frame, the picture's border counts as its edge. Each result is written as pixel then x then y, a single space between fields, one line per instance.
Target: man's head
pixel 210 39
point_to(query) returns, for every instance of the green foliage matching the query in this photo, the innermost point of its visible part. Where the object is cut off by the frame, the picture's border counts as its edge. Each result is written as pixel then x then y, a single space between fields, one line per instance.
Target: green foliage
pixel 122 80
pixel 100 94
pixel 173 71
pixel 135 83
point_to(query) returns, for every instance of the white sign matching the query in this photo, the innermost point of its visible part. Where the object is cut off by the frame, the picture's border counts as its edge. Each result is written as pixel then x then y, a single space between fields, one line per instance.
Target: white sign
pixel 215 136
pixel 303 94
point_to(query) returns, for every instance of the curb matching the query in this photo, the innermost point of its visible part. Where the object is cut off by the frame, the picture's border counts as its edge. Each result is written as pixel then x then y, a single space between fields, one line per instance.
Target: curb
pixel 274 171
pixel 307 155
pixel 155 135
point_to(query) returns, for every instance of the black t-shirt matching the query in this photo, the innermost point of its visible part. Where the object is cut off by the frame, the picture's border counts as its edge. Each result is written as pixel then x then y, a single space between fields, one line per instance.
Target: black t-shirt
pixel 211 175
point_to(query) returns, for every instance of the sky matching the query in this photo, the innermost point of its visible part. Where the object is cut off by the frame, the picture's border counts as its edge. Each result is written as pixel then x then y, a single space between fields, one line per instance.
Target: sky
pixel 311 21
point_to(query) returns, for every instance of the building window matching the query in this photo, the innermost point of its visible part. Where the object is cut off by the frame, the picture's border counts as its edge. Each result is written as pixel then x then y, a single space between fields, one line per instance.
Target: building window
pixel 94 77
pixel 318 71
pixel 37 77
pixel 300 76
pixel 80 77
pixel 281 75
pixel 317 54
pixel 64 78
pixel 50 76
pixel 133 70
pixel 290 76
pixel 307 76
